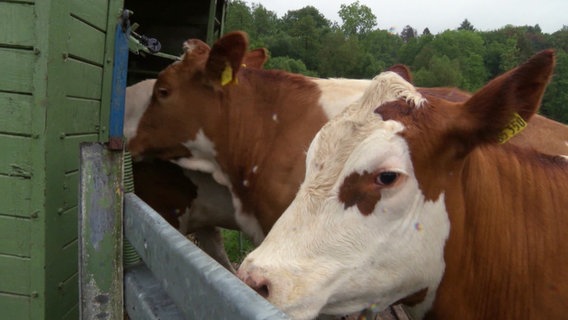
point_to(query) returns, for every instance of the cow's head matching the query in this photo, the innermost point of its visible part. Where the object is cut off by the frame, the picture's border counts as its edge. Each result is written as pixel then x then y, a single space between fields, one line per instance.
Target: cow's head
pixel 187 97
pixel 371 219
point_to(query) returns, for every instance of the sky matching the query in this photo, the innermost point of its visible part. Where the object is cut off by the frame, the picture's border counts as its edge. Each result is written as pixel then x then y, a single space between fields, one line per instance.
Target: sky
pixel 440 15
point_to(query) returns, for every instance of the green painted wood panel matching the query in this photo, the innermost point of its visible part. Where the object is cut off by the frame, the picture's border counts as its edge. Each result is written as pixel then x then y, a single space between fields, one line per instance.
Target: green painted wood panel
pixel 83 80
pixel 23 1
pixel 15 306
pixel 17 162
pixel 73 313
pixel 15 113
pixel 16 19
pixel 17 69
pixel 67 230
pixel 70 184
pixel 14 236
pixel 82 114
pixel 66 290
pixel 11 265
pixel 92 11
pixel 71 150
pixel 16 193
pixel 86 42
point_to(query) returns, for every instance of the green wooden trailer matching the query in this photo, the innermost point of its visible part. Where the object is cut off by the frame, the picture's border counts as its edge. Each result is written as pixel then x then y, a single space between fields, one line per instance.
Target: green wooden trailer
pixel 56 63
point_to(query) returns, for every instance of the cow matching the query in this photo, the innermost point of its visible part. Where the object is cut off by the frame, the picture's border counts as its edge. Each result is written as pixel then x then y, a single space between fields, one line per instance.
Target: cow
pixel 409 198
pixel 190 201
pixel 249 134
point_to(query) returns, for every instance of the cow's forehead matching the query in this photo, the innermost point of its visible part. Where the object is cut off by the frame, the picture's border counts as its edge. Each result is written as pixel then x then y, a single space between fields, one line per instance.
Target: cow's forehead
pixel 338 138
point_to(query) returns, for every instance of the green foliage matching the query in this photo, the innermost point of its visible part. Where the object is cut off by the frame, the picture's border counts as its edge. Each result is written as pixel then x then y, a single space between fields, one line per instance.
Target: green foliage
pixel 290 65
pixel 555 101
pixel 237 245
pixel 466 26
pixel 357 19
pixel 304 41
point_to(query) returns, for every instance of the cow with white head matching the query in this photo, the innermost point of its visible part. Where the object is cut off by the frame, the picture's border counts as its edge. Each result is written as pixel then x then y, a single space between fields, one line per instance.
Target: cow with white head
pixel 408 197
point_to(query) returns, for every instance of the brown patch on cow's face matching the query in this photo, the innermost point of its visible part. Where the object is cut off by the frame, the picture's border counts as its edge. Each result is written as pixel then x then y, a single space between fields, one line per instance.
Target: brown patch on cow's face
pixel 426 132
pixel 364 190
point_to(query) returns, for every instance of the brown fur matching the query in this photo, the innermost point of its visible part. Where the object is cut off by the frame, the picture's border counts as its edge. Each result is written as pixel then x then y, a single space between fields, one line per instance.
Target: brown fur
pixel 505 256
pixel 238 118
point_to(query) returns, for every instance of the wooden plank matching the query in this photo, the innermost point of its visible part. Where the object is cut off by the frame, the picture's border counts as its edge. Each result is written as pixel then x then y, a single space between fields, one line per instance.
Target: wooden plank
pixel 67 227
pixel 17 162
pixel 17 69
pixel 14 236
pixel 100 233
pixel 73 313
pixel 71 194
pixel 91 11
pixel 71 151
pixel 17 24
pixel 14 276
pixel 15 306
pixel 86 42
pixel 83 116
pixel 16 196
pixel 68 288
pixel 15 113
pixel 83 80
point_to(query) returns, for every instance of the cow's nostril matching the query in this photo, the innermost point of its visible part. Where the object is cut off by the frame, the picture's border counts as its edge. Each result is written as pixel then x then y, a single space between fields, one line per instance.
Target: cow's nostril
pixel 262 290
pixel 255 280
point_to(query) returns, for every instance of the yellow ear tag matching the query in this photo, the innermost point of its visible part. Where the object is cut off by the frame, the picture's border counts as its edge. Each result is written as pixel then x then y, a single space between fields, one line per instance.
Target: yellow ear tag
pixel 227 75
pixel 516 125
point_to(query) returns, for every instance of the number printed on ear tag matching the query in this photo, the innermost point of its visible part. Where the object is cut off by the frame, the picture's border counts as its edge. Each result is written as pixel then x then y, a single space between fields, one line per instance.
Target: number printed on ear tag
pixel 516 125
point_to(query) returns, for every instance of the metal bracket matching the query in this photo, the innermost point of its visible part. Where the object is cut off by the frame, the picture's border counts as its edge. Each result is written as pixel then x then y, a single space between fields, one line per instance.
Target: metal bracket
pixel 141 45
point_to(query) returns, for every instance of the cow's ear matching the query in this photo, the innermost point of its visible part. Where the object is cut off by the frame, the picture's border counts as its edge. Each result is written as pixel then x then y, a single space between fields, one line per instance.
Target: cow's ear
pixel 226 58
pixel 402 71
pixel 195 50
pixel 256 58
pixel 502 106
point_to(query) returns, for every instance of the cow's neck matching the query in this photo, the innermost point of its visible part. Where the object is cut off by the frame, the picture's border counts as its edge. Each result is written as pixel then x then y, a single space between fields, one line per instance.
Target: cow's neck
pixel 488 257
pixel 268 121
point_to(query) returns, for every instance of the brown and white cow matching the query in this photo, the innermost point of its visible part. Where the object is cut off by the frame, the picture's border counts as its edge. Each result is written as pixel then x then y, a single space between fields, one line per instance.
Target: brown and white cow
pixel 250 133
pixel 409 198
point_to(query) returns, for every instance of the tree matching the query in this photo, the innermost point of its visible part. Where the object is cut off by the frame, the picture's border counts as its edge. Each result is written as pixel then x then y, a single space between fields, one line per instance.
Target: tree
pixel 442 71
pixel 382 47
pixel 307 26
pixel 239 17
pixel 357 19
pixel 408 33
pixel 265 21
pixel 426 32
pixel 466 26
pixel 289 64
pixel 555 101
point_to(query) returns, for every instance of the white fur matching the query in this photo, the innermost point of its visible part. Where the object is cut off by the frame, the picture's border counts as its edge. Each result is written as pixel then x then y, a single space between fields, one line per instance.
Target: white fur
pixel 339 93
pixel 203 151
pixel 321 257
pixel 137 99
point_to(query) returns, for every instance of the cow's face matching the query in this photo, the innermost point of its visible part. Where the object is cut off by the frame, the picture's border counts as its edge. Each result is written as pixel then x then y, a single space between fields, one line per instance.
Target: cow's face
pixel 370 222
pixel 360 224
pixel 186 99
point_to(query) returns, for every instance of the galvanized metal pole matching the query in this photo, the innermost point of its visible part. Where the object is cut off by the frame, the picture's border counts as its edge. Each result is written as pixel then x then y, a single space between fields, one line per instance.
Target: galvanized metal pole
pixel 100 233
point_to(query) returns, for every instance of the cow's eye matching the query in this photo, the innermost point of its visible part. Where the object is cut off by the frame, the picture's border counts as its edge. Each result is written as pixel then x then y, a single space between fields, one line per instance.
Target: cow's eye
pixel 163 92
pixel 387 178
